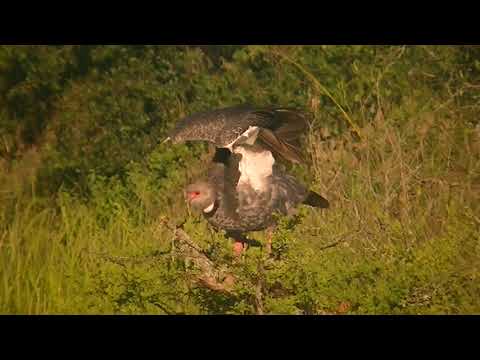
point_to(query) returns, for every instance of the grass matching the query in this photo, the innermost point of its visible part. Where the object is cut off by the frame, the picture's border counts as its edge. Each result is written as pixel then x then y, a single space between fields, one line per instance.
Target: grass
pixel 401 237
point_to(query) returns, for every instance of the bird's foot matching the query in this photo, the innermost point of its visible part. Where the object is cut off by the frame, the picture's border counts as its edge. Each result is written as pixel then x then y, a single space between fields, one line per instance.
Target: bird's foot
pixel 268 245
pixel 268 249
pixel 238 248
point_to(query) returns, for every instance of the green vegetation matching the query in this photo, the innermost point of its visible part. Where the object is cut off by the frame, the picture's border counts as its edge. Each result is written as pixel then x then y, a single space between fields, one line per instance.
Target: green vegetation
pixel 85 184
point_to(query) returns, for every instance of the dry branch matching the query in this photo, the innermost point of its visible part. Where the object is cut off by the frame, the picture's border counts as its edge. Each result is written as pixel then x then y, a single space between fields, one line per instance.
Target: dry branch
pixel 209 275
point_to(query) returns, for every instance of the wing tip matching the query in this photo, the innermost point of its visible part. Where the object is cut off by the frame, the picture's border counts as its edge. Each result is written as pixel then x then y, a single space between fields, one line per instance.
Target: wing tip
pixel 281 147
pixel 315 200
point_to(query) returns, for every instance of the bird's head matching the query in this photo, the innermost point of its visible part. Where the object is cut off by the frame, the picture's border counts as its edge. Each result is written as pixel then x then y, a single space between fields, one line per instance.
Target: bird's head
pixel 201 196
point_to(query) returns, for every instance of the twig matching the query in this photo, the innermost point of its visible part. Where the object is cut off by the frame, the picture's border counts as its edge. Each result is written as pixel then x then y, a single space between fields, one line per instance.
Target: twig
pixel 183 247
pixel 4 236
pixel 383 73
pixel 259 291
pixel 209 275
pixel 123 260
pixel 343 238
pixel 331 245
pixel 333 180
pixel 258 298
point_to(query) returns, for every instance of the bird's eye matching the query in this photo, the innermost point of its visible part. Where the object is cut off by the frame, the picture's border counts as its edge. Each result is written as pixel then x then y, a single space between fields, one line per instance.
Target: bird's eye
pixel 193 194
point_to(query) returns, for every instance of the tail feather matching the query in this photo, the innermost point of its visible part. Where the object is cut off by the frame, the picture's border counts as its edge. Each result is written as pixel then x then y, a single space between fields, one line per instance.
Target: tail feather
pixel 315 200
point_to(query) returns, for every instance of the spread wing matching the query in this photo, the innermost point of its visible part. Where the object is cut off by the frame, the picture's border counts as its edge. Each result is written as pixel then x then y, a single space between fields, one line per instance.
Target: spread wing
pixel 220 127
pixel 283 137
pixel 276 129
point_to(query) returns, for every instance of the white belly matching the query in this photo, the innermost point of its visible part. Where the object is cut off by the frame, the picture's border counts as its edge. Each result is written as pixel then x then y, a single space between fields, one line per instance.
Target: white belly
pixel 255 167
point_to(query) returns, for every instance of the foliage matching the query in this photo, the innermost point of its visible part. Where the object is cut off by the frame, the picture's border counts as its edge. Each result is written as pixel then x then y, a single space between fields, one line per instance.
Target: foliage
pixel 84 181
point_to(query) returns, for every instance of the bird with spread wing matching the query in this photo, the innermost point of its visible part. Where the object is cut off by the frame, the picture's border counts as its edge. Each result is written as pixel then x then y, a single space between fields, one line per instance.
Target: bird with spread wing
pixel 245 186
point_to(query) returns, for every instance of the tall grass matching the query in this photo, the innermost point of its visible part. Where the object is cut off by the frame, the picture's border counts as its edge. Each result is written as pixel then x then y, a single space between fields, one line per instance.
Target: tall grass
pixel 402 235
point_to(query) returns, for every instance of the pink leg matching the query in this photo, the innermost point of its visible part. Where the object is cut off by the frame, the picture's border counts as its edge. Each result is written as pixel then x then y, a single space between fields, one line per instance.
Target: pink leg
pixel 269 241
pixel 238 248
pixel 240 243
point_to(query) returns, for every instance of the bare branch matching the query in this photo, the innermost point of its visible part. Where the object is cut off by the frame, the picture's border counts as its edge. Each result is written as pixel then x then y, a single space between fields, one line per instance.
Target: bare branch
pixel 209 275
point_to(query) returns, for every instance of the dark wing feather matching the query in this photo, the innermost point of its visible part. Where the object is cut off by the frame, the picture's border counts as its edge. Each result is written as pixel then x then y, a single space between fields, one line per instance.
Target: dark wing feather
pixel 292 124
pixel 232 177
pixel 278 146
pixel 316 200
pixel 222 155
pixel 283 136
pixel 225 174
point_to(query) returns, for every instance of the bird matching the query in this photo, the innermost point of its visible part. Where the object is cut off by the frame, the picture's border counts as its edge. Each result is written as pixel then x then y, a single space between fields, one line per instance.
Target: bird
pixel 275 128
pixel 246 186
pixel 245 193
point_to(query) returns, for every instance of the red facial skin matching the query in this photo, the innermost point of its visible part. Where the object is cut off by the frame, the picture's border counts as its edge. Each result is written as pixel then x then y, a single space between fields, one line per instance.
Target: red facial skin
pixel 192 195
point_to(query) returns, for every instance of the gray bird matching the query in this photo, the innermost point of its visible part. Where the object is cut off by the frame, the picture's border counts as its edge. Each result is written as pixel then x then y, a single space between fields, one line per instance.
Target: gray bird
pixel 277 129
pixel 245 187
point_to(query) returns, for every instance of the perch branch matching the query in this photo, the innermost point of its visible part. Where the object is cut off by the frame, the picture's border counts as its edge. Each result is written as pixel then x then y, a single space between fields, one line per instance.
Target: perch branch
pixel 209 275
